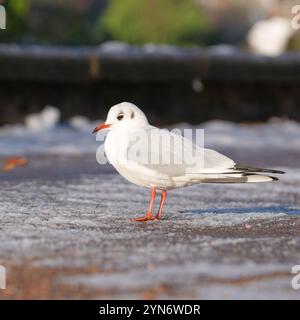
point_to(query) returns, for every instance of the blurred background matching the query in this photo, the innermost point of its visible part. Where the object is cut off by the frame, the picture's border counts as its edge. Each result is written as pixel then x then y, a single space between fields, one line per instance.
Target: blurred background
pixel 179 60
pixel 184 23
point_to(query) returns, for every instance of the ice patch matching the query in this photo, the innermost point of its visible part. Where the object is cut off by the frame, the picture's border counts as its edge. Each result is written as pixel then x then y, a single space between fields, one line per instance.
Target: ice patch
pixel 47 119
pixel 38 136
pixel 80 122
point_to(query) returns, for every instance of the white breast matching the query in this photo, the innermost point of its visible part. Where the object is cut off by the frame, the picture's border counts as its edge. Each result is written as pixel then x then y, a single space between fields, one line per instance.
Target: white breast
pixel 116 148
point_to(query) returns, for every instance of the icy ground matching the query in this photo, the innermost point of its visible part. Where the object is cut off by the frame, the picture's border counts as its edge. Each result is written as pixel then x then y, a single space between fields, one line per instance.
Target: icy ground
pixel 214 242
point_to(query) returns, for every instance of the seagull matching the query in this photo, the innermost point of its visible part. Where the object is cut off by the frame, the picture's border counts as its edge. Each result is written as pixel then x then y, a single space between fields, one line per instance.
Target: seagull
pixel 128 149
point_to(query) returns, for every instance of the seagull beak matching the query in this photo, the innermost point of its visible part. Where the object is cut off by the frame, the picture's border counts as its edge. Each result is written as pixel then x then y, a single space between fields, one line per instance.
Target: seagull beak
pixel 101 127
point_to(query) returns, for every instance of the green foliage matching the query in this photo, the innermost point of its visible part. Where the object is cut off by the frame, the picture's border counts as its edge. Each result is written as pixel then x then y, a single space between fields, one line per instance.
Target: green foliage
pixel 156 21
pixel 18 7
pixel 60 25
pixel 17 12
pixel 134 21
pixel 294 43
pixel 32 21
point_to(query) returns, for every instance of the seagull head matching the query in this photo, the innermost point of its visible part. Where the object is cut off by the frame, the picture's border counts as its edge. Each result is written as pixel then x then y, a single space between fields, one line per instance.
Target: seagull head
pixel 123 115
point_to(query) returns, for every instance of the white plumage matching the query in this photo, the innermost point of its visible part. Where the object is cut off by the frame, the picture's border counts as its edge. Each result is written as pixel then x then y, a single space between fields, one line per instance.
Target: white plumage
pixel 159 159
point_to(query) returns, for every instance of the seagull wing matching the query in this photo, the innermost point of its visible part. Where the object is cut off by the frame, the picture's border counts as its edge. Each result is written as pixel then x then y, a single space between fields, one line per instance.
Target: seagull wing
pixel 173 155
pixel 167 157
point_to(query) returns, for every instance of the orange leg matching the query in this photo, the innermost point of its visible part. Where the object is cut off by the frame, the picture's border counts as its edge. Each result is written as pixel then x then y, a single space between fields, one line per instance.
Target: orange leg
pixel 148 215
pixel 162 201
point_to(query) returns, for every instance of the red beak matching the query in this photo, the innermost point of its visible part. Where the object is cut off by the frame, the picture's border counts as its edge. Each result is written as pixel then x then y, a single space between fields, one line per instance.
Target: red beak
pixel 101 127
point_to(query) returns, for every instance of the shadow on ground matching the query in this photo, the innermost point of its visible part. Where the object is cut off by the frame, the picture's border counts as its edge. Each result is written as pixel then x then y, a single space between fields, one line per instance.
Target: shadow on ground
pixel 272 209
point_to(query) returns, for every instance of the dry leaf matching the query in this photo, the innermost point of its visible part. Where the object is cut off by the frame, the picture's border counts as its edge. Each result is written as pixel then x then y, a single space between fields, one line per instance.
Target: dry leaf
pixel 12 163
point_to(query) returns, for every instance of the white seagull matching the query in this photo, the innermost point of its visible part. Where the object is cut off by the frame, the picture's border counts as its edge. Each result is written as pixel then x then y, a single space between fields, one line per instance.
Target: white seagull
pixel 129 135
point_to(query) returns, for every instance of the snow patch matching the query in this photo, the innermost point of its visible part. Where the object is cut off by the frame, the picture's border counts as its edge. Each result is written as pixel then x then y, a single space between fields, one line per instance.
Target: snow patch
pixel 47 119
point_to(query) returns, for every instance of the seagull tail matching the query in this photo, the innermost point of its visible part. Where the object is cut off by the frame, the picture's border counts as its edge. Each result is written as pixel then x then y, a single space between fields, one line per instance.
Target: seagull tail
pixel 259 178
pixel 240 174
pixel 239 178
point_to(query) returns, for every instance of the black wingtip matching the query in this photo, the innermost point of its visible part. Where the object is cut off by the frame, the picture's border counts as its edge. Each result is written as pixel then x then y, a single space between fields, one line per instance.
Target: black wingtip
pixel 280 172
pixel 253 169
pixel 274 171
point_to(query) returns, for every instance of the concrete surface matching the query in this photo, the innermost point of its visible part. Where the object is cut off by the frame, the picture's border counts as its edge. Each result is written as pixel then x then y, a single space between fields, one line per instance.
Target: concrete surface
pixel 65 233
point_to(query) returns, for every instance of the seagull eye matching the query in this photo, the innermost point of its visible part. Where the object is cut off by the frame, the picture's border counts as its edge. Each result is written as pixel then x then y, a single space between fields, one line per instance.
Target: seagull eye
pixel 120 116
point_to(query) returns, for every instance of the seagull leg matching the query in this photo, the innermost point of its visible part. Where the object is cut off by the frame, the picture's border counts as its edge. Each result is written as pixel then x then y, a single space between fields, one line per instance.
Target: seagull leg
pixel 148 215
pixel 162 201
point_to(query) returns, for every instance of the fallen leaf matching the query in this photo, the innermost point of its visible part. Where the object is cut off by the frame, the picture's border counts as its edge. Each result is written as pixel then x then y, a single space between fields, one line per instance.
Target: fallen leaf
pixel 12 163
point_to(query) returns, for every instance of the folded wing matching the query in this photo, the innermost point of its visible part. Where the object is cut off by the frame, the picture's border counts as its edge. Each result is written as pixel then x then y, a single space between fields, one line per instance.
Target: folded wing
pixel 171 154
